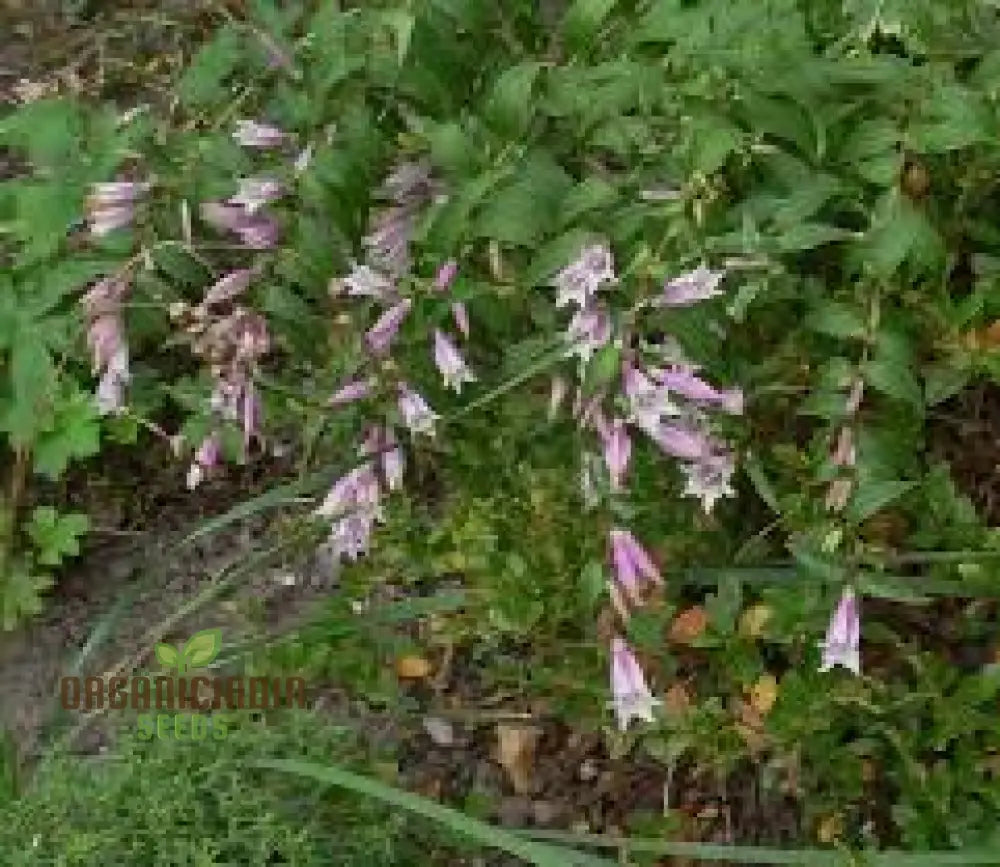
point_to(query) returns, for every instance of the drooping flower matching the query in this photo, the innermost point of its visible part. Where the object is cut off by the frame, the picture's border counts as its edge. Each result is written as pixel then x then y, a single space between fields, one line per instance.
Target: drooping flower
pixel 388 242
pixel 692 287
pixel 844 452
pixel 226 288
pixel 111 205
pixel 357 389
pixel 365 281
pixel 418 417
pixel 557 395
pixel 354 504
pixel 205 458
pixel 709 479
pixel 450 363
pixel 682 381
pixel 393 461
pixel 102 306
pixel 445 275
pixel 251 134
pixel 461 317
pixel 409 183
pixel 111 387
pixel 258 231
pixel 682 441
pixel 631 697
pixel 617 449
pixel 648 401
pixel 579 281
pixel 303 160
pixel 842 644
pixel 588 331
pixel 379 337
pixel 254 193
pixel 631 563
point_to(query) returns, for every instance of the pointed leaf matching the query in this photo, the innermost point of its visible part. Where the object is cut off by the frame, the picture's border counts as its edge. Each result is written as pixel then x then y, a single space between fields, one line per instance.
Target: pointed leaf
pixel 167 655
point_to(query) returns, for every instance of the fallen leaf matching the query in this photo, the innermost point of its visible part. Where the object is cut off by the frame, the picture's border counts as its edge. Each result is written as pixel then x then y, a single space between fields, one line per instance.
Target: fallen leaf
pixel 516 754
pixel 413 667
pixel 764 694
pixel 829 829
pixel 676 700
pixel 755 619
pixel 688 625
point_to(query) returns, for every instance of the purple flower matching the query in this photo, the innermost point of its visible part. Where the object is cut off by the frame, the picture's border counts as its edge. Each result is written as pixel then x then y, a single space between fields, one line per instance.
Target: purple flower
pixel 842 645
pixel 682 381
pixel 380 336
pixel 588 331
pixel 364 281
pixel 357 489
pixel 393 462
pixel 844 453
pixel 648 402
pixel 233 284
pixel 257 231
pixel 409 183
pixel 450 363
pixel 631 696
pixel 631 563
pixel 687 289
pixel 106 339
pixel 303 160
pixel 251 134
pixel 709 479
pixel 352 391
pixel 253 193
pixel 461 317
pixel 617 449
pixel 111 387
pixel 680 441
pixel 418 417
pixel 205 458
pixel 111 205
pixel 445 275
pixel 579 281
pixel 388 244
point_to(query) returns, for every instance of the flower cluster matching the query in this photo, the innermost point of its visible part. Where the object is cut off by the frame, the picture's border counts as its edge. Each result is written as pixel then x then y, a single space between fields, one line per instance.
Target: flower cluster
pixel 232 340
pixel 102 306
pixel 111 205
pixel 407 190
pixel 670 405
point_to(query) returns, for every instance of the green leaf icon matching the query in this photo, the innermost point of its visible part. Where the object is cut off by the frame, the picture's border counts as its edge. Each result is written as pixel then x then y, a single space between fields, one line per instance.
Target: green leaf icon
pixel 166 655
pixel 202 648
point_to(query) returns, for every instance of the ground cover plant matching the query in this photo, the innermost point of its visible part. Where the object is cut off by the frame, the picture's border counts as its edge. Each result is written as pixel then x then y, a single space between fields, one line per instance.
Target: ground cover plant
pixel 620 346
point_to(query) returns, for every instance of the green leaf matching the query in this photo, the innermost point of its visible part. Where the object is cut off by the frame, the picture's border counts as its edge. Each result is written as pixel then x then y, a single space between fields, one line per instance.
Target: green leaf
pixel 713 141
pixel 902 233
pixel 807 236
pixel 32 379
pixel 894 378
pixel 592 582
pixel 56 536
pixel 508 109
pixel 943 380
pixel 167 655
pixel 202 647
pixel 871 496
pixel 524 210
pixel 204 81
pixel 603 368
pixel 723 606
pixel 21 594
pixel 583 19
pixel 763 486
pixel 400 24
pixel 75 433
pixel 837 320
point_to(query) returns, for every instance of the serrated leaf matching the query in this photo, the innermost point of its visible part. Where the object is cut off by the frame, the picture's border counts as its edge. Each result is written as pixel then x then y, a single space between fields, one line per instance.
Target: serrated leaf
pixel 509 107
pixel 872 496
pixel 203 83
pixel 167 655
pixel 944 380
pixel 889 376
pixel 75 433
pixel 202 647
pixel 763 486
